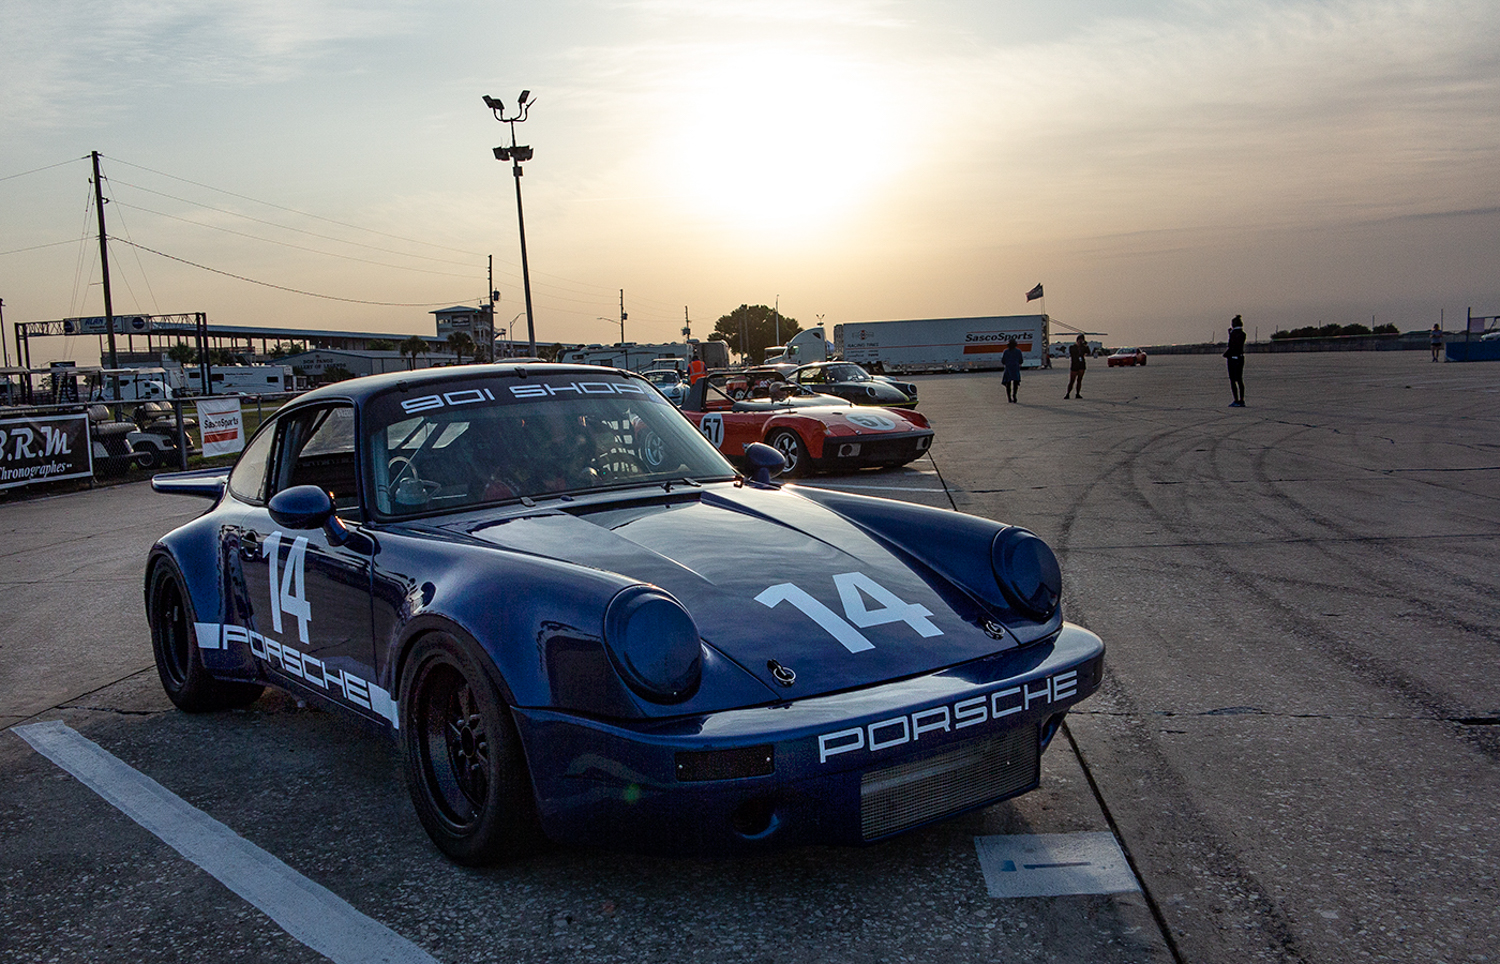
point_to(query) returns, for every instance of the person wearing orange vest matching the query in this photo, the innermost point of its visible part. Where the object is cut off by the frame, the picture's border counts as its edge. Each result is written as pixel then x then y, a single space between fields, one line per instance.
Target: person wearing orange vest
pixel 696 370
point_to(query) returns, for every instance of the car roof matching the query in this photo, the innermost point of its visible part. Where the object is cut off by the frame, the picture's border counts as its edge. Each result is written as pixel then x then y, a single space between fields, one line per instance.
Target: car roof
pixel 360 389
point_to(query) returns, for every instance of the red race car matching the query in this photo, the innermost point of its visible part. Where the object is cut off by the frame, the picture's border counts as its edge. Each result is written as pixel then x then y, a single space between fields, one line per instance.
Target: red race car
pixel 1126 356
pixel 813 432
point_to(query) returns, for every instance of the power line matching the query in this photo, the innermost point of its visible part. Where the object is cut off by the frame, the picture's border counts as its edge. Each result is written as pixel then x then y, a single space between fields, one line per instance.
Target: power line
pixel 288 244
pixel 280 207
pixel 284 227
pixel 125 228
pixel 38 170
pixel 35 247
pixel 295 291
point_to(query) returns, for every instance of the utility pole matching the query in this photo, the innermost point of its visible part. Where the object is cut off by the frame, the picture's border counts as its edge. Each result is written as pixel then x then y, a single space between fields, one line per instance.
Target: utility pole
pixel 494 297
pixel 623 316
pixel 778 319
pixel 109 308
pixel 3 344
pixel 516 154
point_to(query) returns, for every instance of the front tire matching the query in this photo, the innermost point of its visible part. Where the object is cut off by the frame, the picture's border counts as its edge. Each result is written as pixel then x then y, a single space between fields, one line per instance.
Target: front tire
pixel 175 646
pixel 789 444
pixel 462 757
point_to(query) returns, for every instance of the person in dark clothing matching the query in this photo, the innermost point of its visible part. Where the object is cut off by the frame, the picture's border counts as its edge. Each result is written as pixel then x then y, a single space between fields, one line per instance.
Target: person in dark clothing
pixel 1010 360
pixel 1236 355
pixel 1077 353
pixel 1437 341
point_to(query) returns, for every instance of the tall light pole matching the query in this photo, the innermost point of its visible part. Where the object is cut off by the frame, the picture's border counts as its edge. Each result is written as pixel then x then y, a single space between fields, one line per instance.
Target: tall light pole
pixel 516 154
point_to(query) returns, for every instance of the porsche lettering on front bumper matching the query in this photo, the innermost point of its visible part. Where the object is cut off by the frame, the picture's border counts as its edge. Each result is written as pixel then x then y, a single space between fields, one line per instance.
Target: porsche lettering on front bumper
pixel 848 767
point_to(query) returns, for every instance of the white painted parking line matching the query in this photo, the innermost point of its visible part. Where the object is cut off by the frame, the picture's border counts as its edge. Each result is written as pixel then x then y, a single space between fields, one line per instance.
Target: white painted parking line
pixel 1054 864
pixel 309 912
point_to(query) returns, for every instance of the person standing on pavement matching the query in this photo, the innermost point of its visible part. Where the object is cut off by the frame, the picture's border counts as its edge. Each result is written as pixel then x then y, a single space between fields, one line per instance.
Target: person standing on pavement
pixel 1437 341
pixel 1010 360
pixel 1235 353
pixel 1077 353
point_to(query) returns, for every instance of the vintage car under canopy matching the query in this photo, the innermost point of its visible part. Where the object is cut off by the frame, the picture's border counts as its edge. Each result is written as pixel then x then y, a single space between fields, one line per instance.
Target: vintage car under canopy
pixel 581 623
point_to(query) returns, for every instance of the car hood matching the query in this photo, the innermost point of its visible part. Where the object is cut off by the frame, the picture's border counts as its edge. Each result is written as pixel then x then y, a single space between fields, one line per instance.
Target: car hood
pixel 756 569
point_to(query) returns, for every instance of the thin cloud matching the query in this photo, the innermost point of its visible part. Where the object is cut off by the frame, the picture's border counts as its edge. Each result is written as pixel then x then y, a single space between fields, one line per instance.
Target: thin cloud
pixel 861 13
pixel 104 53
pixel 1253 109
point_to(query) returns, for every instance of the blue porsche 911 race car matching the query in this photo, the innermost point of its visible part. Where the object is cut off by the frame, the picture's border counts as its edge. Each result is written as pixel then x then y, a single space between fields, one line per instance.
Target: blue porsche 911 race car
pixel 581 623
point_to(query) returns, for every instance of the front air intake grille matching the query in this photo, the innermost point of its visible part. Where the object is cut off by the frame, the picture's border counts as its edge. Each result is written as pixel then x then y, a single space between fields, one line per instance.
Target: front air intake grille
pixel 902 796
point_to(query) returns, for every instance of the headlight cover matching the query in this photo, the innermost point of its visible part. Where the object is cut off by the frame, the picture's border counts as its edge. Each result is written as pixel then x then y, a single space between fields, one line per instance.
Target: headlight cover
pixel 1027 571
pixel 654 644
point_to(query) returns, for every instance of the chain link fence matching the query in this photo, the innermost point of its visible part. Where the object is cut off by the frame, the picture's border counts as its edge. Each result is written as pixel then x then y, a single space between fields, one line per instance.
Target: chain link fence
pixel 47 444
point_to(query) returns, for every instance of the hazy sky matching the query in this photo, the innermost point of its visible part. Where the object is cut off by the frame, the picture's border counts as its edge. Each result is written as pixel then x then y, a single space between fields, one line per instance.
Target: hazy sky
pixel 1158 166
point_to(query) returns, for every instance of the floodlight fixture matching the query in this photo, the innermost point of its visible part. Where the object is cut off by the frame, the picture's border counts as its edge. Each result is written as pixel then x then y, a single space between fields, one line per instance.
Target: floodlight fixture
pixel 517 154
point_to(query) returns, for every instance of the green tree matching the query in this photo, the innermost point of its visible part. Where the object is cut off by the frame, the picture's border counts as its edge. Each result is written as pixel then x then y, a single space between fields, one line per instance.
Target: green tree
pixel 460 344
pixel 751 329
pixel 182 353
pixel 411 348
pixel 380 344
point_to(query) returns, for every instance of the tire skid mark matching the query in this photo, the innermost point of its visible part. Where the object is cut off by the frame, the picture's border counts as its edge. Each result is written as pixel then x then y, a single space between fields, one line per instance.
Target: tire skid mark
pixel 1374 671
pixel 1214 850
pixel 1375 576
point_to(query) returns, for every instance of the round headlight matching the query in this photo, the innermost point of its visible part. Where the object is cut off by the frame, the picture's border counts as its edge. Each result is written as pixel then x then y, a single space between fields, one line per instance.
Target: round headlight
pixel 1027 571
pixel 654 644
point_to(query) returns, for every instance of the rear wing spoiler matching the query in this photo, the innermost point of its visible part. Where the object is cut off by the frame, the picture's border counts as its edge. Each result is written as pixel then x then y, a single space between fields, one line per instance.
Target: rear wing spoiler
pixel 208 483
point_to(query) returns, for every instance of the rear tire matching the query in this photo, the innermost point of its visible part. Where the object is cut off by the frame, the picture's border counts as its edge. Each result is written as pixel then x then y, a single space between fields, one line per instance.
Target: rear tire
pixel 462 757
pixel 146 457
pixel 175 646
pixel 789 444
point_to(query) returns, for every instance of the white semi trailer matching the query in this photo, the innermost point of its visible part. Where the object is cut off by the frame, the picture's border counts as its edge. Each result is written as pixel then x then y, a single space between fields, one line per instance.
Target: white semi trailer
pixel 637 358
pixel 942 344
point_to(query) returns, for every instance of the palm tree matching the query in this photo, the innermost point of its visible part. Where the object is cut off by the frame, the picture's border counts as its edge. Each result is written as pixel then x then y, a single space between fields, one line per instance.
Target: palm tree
pixel 460 344
pixel 411 348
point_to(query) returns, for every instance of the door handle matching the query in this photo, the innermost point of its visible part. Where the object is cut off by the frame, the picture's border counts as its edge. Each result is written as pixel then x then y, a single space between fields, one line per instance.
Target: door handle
pixel 249 546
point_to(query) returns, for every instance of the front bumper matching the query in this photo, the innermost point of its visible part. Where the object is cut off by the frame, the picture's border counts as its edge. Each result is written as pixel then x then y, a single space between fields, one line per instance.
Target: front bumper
pixel 846 768
pixel 856 451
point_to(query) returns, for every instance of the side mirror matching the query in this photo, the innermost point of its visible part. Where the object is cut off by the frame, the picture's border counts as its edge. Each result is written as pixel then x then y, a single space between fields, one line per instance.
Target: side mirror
pixel 765 460
pixel 308 507
pixel 301 507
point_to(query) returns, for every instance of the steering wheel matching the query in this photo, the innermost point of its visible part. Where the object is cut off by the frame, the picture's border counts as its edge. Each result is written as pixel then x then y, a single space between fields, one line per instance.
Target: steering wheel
pixel 618 464
pixel 406 486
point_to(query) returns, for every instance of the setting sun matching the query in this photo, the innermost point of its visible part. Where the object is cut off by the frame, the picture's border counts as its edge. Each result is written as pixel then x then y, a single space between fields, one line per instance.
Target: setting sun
pixel 786 137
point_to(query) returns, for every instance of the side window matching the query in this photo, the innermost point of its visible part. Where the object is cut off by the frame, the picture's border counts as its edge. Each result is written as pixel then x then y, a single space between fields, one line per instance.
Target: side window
pixel 317 448
pixel 248 479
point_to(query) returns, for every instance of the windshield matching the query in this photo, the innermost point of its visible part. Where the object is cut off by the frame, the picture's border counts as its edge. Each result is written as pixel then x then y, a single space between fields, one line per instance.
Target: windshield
pixel 847 373
pixel 496 438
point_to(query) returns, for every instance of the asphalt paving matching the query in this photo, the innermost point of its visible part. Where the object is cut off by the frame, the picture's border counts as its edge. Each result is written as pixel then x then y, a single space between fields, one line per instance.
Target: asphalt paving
pixel 1295 746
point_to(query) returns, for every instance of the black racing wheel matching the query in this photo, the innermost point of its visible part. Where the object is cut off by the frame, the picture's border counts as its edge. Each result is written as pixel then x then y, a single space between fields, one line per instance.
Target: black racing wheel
pixel 462 757
pixel 174 643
